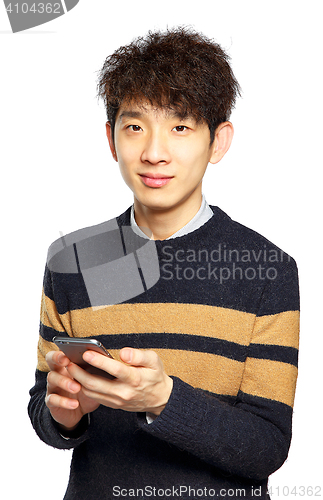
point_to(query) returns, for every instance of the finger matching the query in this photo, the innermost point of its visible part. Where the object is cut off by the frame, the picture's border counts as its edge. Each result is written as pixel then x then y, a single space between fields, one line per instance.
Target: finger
pixel 109 365
pixel 99 389
pixel 56 359
pixel 56 381
pixel 88 381
pixel 54 401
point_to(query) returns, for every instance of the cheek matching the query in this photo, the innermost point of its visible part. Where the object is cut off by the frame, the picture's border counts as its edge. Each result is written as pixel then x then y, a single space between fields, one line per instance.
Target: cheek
pixel 128 155
pixel 190 153
pixel 124 162
pixel 194 163
pixel 124 172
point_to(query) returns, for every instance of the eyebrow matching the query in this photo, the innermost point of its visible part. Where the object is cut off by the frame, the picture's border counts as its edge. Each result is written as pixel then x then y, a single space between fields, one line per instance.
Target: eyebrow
pixel 138 114
pixel 130 114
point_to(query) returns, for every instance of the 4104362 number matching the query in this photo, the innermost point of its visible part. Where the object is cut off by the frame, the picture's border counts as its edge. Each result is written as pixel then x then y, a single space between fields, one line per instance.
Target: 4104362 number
pixel 35 8
pixel 295 491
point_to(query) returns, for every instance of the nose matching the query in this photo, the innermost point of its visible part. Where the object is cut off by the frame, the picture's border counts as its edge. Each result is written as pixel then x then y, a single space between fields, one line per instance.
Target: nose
pixel 156 149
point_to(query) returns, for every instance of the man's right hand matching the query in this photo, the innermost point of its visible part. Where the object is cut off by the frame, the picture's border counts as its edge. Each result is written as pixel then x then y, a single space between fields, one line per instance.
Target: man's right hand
pixel 64 398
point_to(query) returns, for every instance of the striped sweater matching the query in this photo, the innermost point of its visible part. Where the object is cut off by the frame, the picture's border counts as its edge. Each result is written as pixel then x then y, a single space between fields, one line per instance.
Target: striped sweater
pixel 220 306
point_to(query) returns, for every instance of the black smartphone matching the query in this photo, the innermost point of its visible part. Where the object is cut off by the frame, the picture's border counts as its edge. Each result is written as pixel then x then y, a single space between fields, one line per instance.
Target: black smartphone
pixel 74 348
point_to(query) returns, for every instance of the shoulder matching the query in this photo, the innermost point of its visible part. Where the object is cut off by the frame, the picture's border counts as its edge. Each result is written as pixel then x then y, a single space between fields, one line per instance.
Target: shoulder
pixel 63 254
pixel 246 241
pixel 259 261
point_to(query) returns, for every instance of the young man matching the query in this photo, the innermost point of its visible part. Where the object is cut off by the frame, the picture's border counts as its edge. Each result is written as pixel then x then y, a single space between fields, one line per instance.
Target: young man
pixel 200 313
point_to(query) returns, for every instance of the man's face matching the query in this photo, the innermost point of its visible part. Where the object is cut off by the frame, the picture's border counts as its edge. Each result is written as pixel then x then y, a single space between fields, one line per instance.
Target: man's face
pixel 162 157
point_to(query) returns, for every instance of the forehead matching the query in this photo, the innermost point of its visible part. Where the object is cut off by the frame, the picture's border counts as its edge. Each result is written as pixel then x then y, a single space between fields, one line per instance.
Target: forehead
pixel 146 110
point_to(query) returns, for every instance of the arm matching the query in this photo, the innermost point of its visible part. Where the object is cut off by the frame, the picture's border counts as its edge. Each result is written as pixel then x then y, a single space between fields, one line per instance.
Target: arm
pixel 58 403
pixel 47 429
pixel 53 386
pixel 248 436
pixel 249 439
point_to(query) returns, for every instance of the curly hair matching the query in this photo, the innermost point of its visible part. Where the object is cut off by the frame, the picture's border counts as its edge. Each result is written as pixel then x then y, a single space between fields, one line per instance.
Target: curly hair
pixel 179 69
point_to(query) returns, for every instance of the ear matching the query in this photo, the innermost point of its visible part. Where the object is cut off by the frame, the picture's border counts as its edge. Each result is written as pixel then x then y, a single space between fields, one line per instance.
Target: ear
pixel 222 141
pixel 111 141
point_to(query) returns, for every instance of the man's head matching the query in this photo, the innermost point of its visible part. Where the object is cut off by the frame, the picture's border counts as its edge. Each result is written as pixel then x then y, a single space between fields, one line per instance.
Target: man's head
pixel 178 69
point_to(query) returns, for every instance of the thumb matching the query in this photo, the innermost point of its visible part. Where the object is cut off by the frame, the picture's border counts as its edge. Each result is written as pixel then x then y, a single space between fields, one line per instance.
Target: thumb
pixel 137 357
pixel 126 354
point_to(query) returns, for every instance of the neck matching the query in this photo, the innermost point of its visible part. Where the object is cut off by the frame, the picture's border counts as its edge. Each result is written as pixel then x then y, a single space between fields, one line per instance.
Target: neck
pixel 160 224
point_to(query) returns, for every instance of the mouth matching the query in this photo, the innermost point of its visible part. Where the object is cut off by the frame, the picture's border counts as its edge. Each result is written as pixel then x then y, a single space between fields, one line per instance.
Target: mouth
pixel 155 180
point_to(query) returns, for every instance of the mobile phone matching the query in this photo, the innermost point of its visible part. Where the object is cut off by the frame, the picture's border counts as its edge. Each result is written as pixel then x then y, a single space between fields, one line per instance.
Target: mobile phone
pixel 74 348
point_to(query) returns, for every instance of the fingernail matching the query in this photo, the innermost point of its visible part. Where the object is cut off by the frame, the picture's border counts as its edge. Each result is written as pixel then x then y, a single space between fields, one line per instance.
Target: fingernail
pixel 60 357
pixel 127 355
pixel 73 387
pixel 88 356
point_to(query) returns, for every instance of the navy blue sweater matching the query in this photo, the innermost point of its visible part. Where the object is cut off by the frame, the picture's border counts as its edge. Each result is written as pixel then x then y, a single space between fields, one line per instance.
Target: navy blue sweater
pixel 221 308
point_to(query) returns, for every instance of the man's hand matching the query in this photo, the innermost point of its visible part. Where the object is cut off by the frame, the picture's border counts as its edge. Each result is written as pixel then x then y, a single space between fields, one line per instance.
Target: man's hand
pixel 140 384
pixel 65 399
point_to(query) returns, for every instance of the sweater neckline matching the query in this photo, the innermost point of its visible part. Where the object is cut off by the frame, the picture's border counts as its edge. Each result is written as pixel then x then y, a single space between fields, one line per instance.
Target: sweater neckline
pixel 210 225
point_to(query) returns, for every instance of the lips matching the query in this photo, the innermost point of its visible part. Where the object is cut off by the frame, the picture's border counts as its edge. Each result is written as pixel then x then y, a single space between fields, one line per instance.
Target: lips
pixel 155 180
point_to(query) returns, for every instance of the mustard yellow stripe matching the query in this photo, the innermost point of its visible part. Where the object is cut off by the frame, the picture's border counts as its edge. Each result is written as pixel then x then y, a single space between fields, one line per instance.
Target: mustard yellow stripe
pixel 43 348
pixel 49 315
pixel 270 379
pixel 264 378
pixel 206 371
pixel 277 329
pixel 194 319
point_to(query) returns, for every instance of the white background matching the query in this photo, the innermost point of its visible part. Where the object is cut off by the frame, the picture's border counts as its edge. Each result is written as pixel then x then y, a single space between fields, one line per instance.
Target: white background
pixel 57 175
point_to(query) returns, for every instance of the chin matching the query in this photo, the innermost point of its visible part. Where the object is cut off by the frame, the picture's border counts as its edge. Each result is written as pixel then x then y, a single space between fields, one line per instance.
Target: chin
pixel 158 207
pixel 156 201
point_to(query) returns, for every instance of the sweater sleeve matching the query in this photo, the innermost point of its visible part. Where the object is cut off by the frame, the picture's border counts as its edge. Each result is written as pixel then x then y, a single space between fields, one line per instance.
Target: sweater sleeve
pixel 43 423
pixel 250 435
pixel 40 416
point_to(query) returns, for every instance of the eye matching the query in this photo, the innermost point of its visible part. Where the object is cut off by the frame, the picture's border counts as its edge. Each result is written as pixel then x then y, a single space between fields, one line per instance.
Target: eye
pixel 180 128
pixel 134 128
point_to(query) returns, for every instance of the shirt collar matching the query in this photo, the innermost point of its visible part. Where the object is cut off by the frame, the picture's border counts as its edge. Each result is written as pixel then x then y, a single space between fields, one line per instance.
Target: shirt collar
pixel 200 218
